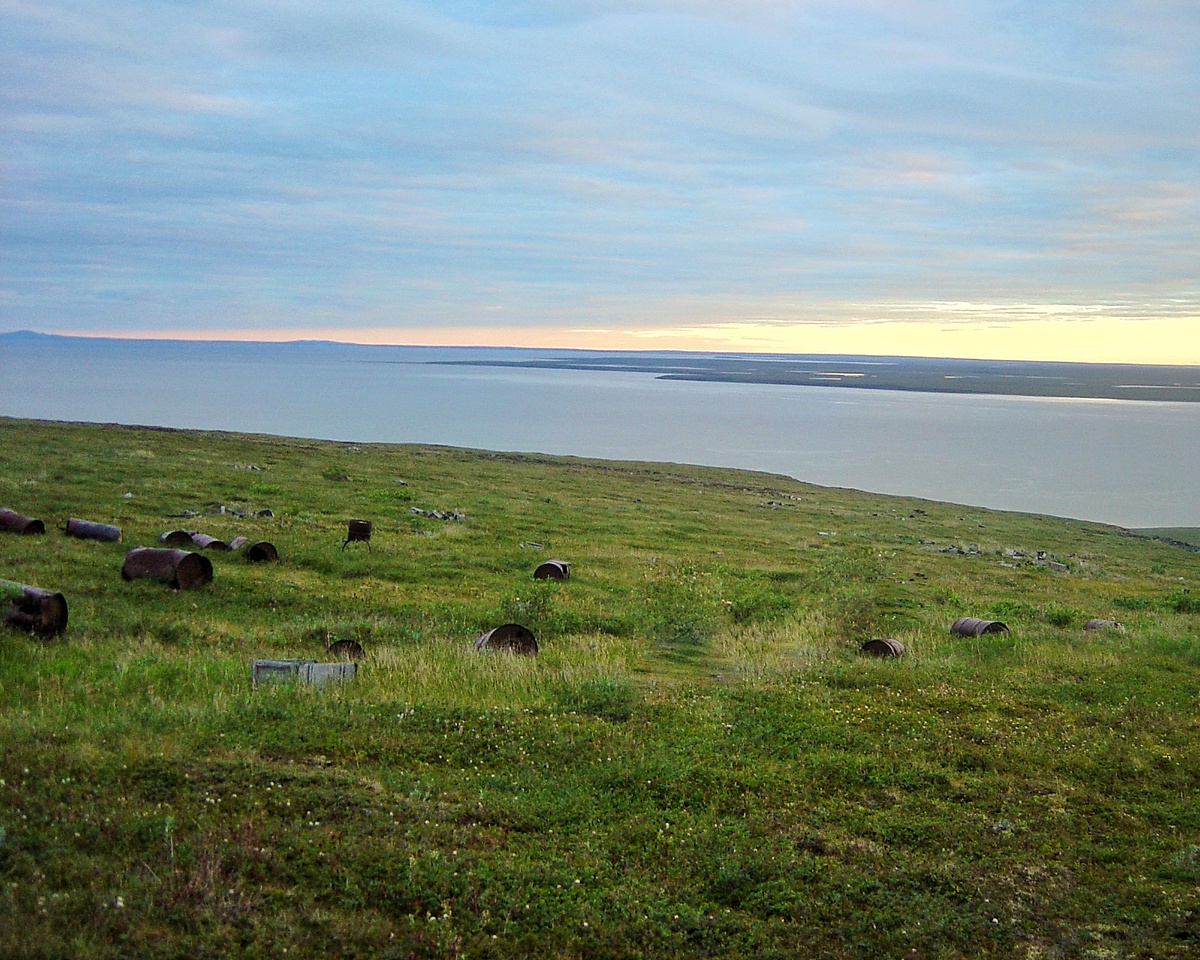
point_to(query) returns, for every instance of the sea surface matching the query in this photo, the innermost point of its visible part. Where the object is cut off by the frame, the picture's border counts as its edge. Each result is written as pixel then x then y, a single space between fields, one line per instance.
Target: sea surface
pixel 1130 463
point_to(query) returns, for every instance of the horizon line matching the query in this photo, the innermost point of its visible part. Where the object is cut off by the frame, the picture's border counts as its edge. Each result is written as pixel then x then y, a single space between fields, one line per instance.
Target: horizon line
pixel 212 337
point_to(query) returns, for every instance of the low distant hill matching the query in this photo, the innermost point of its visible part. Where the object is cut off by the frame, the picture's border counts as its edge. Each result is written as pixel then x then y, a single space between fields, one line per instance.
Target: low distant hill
pixel 1180 536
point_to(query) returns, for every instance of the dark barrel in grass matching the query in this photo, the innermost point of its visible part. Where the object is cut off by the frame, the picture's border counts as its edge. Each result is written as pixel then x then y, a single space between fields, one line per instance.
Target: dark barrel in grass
pixel 552 570
pixel 258 552
pixel 181 569
pixel 176 538
pixel 14 522
pixel 89 530
pixel 205 542
pixel 39 611
pixel 345 650
pixel 511 637
pixel 883 648
pixel 974 627
pixel 358 531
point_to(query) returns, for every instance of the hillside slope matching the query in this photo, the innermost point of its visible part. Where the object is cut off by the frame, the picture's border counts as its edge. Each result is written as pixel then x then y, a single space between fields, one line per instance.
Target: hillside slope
pixel 698 761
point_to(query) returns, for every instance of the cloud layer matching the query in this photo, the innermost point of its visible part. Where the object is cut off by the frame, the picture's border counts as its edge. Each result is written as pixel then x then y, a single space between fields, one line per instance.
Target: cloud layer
pixel 555 165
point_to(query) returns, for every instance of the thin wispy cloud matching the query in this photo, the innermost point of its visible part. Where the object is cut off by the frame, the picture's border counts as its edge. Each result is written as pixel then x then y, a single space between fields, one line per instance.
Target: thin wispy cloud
pixel 655 166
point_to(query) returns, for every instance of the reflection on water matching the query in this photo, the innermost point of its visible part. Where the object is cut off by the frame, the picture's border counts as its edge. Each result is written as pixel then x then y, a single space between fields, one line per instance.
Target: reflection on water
pixel 1129 463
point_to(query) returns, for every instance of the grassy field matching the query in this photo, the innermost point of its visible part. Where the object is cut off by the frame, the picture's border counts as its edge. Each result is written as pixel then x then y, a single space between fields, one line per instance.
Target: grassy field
pixel 698 763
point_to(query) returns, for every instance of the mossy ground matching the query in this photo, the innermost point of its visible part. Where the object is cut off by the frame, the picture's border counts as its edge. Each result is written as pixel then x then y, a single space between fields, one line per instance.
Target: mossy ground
pixel 699 762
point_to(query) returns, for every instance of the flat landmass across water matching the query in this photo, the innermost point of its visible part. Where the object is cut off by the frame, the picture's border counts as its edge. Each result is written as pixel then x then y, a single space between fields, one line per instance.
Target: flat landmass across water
pixel 1095 381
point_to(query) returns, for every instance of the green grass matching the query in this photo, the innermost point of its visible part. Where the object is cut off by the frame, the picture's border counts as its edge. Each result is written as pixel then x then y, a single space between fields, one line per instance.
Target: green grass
pixel 697 763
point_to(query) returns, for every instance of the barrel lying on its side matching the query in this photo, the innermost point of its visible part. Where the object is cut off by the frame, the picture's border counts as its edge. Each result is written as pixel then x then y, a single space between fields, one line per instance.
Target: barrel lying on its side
pixel 552 570
pixel 974 627
pixel 14 522
pixel 511 637
pixel 180 568
pixel 883 648
pixel 43 612
pixel 259 552
pixel 205 542
pixel 1098 624
pixel 87 530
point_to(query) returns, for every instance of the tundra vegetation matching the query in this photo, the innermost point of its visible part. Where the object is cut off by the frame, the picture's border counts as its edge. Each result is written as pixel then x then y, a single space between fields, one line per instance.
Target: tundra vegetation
pixel 698 762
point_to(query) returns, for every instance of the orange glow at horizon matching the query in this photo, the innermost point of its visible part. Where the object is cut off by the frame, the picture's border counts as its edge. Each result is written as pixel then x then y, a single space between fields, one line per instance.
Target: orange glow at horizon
pixel 1170 340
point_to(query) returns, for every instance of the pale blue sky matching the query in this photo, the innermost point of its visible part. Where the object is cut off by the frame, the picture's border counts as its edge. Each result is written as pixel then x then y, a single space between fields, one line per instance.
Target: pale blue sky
pixel 1014 177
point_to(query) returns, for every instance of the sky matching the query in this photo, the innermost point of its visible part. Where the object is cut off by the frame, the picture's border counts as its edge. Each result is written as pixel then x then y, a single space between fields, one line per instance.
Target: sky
pixel 1002 179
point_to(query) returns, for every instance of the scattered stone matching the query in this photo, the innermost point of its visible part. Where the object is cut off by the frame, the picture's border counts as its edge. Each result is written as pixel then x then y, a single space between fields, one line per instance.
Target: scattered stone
pixel 438 514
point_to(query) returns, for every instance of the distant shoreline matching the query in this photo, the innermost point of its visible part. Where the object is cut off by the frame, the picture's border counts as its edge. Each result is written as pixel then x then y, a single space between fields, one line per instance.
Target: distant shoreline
pixel 936 375
pixel 1022 378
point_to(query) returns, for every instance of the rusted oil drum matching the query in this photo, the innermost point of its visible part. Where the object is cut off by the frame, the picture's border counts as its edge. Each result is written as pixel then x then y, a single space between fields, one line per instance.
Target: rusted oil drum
pixel 87 530
pixel 13 522
pixel 261 552
pixel 256 552
pixel 974 627
pixel 883 648
pixel 511 637
pixel 1097 624
pixel 204 542
pixel 43 612
pixel 180 568
pixel 345 650
pixel 358 531
pixel 176 538
pixel 552 570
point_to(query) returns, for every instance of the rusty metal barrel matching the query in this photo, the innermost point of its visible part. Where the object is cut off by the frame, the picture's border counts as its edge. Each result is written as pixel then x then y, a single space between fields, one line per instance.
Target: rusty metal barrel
pixel 552 570
pixel 176 538
pixel 345 650
pixel 204 542
pixel 14 522
pixel 509 636
pixel 87 530
pixel 358 531
pixel 179 568
pixel 974 627
pixel 39 611
pixel 1097 624
pixel 258 552
pixel 261 552
pixel 883 648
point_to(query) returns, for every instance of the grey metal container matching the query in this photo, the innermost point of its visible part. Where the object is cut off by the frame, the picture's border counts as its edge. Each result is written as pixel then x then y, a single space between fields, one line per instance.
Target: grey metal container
pixel 301 671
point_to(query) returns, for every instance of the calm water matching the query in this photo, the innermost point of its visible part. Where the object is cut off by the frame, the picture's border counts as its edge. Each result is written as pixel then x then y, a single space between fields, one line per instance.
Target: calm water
pixel 1129 463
